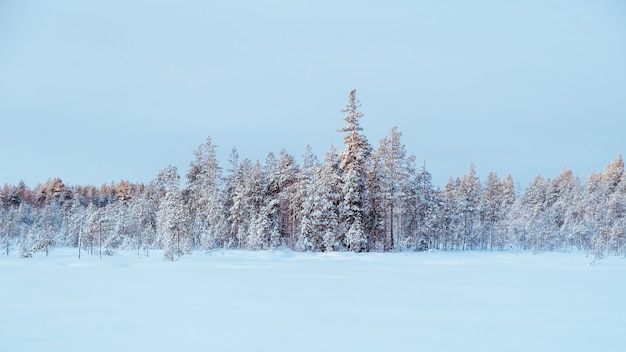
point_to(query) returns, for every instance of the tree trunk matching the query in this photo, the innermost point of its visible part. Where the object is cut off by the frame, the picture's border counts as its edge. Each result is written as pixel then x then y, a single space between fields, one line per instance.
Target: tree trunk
pixel 100 241
pixel 391 245
pixel 177 242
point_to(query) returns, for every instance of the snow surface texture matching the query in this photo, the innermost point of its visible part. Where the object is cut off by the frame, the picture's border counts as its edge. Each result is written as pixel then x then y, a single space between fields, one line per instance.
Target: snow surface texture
pixel 285 301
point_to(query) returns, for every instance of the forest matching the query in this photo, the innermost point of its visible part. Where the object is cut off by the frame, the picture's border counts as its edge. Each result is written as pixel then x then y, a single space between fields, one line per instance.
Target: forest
pixel 363 198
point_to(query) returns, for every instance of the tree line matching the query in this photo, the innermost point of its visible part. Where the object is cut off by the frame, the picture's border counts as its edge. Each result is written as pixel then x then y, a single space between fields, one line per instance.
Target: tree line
pixel 363 198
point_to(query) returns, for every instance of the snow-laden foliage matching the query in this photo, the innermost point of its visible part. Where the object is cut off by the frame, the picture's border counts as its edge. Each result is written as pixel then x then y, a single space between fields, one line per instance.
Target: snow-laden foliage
pixel 171 229
pixel 357 199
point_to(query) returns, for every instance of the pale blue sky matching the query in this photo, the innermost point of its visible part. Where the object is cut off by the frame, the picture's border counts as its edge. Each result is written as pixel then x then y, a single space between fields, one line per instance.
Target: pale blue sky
pixel 98 91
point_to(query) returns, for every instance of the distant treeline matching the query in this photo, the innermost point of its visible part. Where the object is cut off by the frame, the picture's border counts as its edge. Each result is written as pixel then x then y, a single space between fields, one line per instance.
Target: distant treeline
pixel 360 199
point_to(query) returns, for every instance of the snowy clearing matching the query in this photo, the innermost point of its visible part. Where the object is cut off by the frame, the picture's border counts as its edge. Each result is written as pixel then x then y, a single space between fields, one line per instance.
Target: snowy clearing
pixel 286 301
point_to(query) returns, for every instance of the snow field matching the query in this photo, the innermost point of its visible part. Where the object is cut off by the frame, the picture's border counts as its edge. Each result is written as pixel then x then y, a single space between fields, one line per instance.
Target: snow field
pixel 286 301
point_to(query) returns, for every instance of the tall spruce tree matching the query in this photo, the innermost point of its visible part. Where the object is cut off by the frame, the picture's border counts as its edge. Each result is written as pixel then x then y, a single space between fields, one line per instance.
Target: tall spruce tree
pixel 205 198
pixel 354 160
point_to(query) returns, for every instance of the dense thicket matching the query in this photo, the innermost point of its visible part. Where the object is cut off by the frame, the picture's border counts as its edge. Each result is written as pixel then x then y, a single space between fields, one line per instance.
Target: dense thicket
pixel 360 199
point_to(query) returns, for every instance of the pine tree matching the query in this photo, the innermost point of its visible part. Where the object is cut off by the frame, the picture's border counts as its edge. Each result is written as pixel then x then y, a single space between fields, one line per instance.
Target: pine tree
pixel 563 196
pixel 128 225
pixel 271 204
pixel 231 181
pixel 76 218
pixel 171 216
pixel 422 211
pixel 145 207
pixel 281 180
pixel 394 183
pixel 100 229
pixel 533 223
pixel 263 229
pixel 306 199
pixel 247 199
pixel 509 198
pixel 451 215
pixel 238 212
pixel 205 198
pixel 116 215
pixel 374 209
pixel 7 226
pixel 47 228
pixel 468 193
pixel 491 207
pixel 328 186
pixel 603 200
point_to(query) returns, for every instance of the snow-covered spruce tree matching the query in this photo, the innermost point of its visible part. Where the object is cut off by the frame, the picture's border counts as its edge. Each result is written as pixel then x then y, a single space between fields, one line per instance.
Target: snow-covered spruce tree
pixel 509 199
pixel 205 198
pixel 265 227
pixel 246 197
pixel 271 208
pixel 18 215
pixel 90 230
pixel 228 239
pixel 262 225
pixel 353 163
pixel 534 224
pixel 117 224
pixel 76 219
pixel 171 216
pixel 394 184
pixel 46 228
pixel 145 207
pixel 281 185
pixel 100 229
pixel 328 186
pixel 603 208
pixel 616 212
pixel 374 209
pixel 615 177
pixel 595 219
pixel 9 203
pixel 492 210
pixel 309 203
pixel 450 215
pixel 8 226
pixel 51 199
pixel 468 193
pixel 419 217
pixel 303 197
pixel 563 196
pixel 239 214
pixel 24 223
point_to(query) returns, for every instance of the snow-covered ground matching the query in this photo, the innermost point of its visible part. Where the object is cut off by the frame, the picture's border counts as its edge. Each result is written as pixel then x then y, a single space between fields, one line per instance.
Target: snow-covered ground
pixel 285 301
